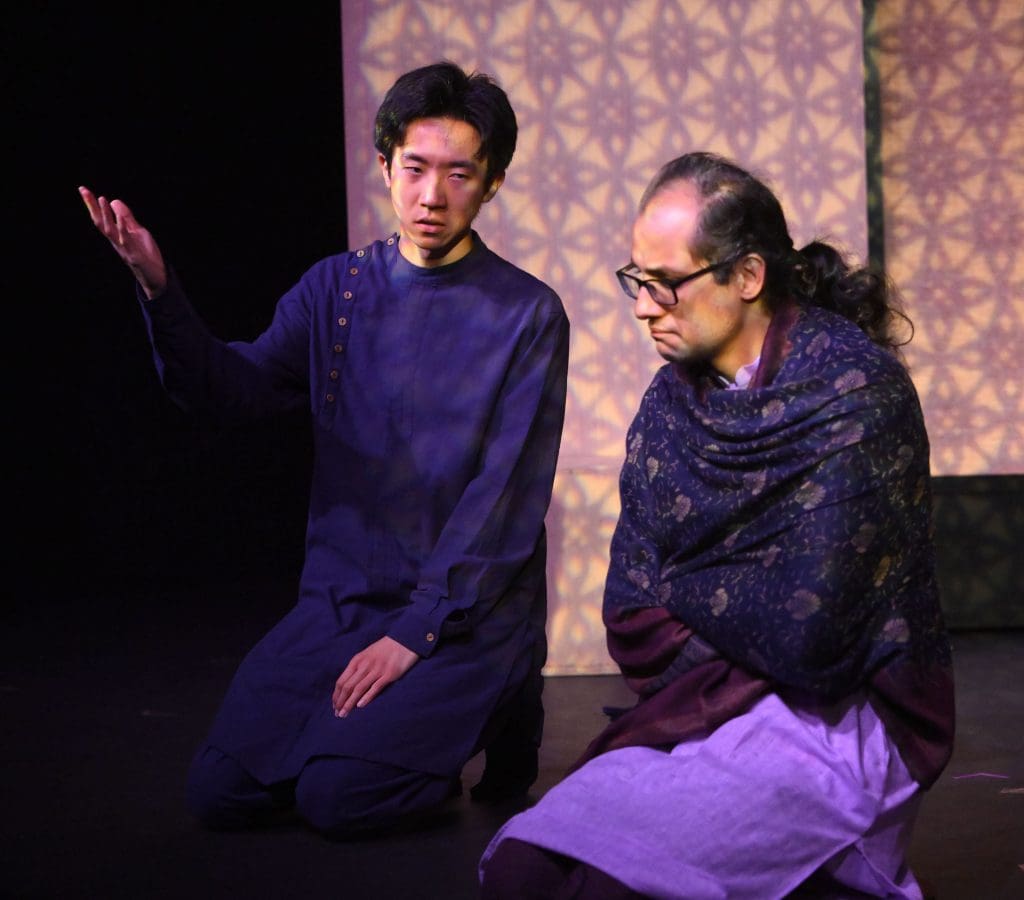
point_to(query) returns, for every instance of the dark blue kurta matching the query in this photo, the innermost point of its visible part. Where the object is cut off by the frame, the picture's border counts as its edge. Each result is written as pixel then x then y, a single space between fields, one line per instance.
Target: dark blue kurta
pixel 437 397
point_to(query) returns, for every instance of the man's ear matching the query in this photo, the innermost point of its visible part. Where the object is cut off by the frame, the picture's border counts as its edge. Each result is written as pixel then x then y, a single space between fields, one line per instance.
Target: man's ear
pixel 751 272
pixel 385 168
pixel 496 182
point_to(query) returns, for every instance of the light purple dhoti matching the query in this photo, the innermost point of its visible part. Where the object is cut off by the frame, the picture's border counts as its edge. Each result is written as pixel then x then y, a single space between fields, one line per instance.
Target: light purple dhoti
pixel 750 811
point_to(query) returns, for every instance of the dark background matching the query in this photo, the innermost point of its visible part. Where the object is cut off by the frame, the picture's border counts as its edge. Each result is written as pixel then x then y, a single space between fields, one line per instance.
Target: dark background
pixel 221 126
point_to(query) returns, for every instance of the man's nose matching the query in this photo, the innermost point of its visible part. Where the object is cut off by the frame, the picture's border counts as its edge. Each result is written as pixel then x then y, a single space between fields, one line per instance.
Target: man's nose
pixel 433 192
pixel 644 306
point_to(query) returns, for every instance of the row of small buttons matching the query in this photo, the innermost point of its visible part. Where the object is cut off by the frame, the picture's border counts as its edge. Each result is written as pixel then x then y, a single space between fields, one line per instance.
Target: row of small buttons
pixel 334 374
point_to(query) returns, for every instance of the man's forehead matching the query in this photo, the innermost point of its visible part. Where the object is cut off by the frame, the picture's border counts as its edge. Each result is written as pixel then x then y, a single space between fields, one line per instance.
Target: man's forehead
pixel 441 135
pixel 663 232
pixel 672 213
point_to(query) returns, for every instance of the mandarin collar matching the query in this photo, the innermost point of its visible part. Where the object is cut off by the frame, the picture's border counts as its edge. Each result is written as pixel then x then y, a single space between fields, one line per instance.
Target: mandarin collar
pixel 404 270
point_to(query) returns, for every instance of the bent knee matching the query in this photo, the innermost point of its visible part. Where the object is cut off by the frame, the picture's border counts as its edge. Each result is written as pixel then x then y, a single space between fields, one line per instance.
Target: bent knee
pixel 341 796
pixel 328 799
pixel 207 802
pixel 221 794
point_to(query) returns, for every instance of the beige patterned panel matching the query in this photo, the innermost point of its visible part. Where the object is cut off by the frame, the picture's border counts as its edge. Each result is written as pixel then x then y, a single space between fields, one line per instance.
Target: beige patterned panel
pixel 606 92
pixel 952 94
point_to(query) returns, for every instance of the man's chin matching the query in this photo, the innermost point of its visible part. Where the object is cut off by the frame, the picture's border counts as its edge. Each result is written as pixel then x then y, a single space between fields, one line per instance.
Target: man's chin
pixel 432 242
pixel 433 247
pixel 666 351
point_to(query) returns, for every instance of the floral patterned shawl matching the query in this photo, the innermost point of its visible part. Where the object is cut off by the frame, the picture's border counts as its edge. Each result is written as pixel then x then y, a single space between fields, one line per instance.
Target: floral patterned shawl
pixel 780 537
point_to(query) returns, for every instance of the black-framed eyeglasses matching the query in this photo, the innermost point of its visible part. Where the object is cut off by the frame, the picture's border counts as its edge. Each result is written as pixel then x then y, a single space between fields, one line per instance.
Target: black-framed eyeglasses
pixel 662 290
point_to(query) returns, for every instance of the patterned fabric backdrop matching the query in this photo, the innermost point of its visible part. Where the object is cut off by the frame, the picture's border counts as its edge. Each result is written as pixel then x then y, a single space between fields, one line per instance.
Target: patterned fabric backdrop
pixel 605 92
pixel 951 78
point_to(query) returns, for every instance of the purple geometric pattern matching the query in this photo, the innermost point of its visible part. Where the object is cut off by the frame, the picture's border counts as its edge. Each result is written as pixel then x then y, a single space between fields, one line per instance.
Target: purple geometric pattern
pixel 952 98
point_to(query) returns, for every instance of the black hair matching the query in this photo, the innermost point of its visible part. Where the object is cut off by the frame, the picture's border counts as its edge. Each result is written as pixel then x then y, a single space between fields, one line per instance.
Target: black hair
pixel 444 90
pixel 740 214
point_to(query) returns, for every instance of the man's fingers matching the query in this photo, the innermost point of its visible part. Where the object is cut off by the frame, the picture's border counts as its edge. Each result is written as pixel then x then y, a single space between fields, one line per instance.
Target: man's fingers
pixel 341 691
pixel 90 204
pixel 368 673
pixel 346 706
pixel 122 212
pixel 348 690
pixel 106 223
pixel 113 218
pixel 372 692
pixel 123 218
pixel 366 686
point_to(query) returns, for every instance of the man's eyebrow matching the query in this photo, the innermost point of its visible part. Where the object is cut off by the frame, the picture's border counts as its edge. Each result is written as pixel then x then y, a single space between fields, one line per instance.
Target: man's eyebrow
pixel 409 156
pixel 661 273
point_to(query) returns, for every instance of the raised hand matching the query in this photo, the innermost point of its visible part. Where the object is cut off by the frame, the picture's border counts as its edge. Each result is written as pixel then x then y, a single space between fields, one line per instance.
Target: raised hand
pixel 133 243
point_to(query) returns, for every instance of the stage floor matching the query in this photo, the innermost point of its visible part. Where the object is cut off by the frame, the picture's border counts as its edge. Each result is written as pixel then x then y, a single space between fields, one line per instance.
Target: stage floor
pixel 103 700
